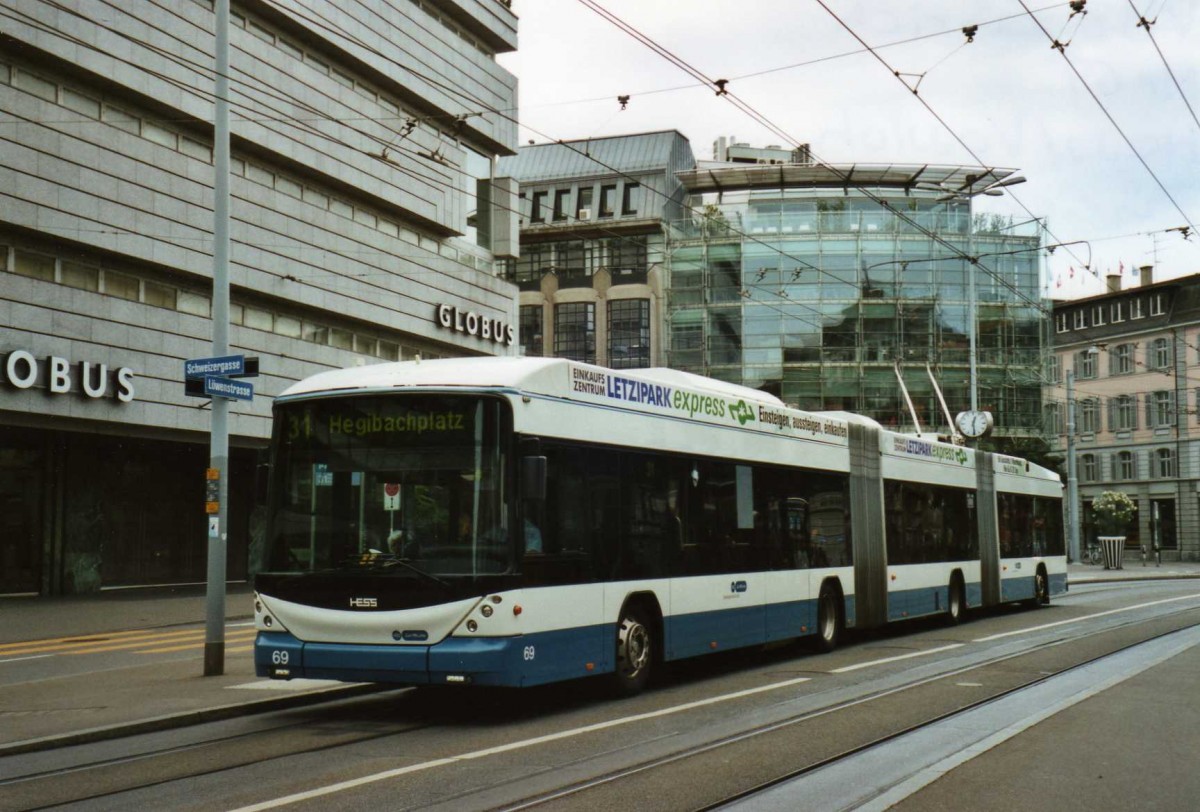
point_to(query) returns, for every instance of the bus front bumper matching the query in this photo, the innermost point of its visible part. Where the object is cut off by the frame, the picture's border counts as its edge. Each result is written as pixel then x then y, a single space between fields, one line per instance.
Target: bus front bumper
pixel 477 661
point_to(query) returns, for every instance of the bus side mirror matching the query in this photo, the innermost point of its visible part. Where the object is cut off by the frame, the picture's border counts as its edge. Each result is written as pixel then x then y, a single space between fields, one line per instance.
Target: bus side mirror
pixel 533 477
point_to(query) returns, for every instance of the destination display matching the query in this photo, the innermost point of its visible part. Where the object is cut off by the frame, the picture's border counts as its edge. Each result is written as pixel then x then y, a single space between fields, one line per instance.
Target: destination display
pixel 603 386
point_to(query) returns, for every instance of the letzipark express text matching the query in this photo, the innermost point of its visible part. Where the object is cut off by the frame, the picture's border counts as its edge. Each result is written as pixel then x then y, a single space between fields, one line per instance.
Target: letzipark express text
pixel 598 383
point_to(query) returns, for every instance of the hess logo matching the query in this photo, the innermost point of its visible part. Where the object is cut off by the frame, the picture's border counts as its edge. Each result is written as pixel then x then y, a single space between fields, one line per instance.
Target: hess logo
pixel 737 587
pixel 364 603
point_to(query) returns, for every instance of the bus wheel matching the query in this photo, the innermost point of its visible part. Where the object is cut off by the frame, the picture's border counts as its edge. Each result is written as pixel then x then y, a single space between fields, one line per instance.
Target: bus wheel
pixel 1041 590
pixel 635 652
pixel 829 619
pixel 954 606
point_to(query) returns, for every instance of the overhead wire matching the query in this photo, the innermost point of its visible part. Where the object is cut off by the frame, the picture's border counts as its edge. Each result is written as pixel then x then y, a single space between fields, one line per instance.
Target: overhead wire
pixel 929 108
pixel 1146 24
pixel 723 91
pixel 1128 142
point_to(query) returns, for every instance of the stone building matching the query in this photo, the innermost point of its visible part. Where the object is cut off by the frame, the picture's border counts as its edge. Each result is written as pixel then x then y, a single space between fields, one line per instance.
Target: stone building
pixel 366 222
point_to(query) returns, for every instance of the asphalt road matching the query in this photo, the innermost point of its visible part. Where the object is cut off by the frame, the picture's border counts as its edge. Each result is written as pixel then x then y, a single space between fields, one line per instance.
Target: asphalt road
pixel 736 726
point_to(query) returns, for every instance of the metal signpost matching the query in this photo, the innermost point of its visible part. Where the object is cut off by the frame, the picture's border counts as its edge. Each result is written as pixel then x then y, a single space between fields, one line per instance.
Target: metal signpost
pixel 215 378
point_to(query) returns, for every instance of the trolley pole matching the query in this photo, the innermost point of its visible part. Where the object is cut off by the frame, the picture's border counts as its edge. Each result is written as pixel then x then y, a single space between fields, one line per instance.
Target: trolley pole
pixel 214 628
pixel 1073 552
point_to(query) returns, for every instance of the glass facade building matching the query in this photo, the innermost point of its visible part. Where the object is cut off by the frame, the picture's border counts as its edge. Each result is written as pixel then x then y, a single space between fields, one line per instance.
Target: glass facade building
pixel 819 283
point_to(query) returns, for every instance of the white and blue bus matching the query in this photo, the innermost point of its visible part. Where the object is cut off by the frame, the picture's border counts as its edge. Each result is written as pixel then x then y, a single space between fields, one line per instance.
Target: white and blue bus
pixel 515 522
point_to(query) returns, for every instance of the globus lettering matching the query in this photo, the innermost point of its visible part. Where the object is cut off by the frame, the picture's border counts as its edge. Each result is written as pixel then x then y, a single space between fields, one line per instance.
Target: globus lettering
pixel 22 370
pixel 473 324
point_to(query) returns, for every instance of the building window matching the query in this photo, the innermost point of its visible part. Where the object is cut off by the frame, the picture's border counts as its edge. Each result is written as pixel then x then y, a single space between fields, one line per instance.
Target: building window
pixel 629 333
pixel 1098 316
pixel 1088 468
pixel 1124 465
pixel 531 330
pixel 1116 312
pixel 36 266
pixel 1159 356
pixel 1160 409
pixel 84 277
pixel 1055 369
pixel 562 201
pixel 1080 319
pixel 1052 418
pixel 625 255
pixel 1135 309
pixel 1120 360
pixel 1060 322
pixel 628 204
pixel 608 195
pixel 1089 416
pixel 575 331
pixel 1085 364
pixel 122 286
pixel 687 343
pixel 537 213
pixel 1122 414
pixel 1157 305
pixel 583 204
pixel 1164 463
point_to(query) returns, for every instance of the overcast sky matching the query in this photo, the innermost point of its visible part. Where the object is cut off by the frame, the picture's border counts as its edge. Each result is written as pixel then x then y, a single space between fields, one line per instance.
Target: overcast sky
pixel 1009 96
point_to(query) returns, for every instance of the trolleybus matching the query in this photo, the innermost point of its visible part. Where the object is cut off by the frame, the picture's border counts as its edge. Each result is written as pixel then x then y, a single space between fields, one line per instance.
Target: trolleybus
pixel 520 521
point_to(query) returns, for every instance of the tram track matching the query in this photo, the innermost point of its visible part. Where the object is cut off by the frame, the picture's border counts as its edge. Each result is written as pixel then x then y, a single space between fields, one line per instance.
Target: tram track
pixel 225 753
pixel 567 793
pixel 177 762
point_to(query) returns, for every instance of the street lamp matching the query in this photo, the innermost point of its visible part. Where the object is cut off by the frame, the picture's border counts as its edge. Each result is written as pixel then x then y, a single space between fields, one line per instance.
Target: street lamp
pixel 1073 545
pixel 1072 478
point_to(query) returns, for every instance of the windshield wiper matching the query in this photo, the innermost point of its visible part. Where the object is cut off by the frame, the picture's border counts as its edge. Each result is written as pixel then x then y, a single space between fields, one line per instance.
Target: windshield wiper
pixel 408 565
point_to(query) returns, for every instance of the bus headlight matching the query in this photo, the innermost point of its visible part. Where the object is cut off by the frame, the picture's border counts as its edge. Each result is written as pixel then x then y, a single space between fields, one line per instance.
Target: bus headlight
pixel 472 626
pixel 485 610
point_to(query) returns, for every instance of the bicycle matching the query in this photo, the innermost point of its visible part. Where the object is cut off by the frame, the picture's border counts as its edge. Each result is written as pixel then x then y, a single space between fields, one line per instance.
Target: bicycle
pixel 1092 554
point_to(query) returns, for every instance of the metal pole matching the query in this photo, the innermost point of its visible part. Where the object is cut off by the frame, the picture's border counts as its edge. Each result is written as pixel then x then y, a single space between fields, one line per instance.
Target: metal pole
pixel 1072 480
pixel 971 330
pixel 214 628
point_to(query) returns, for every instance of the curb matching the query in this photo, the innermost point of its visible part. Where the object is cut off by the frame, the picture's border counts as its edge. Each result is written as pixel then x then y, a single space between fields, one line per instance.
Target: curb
pixel 175 720
pixel 1117 579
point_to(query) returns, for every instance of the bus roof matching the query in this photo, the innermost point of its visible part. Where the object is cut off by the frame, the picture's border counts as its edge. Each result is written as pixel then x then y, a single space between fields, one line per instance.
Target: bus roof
pixel 541 375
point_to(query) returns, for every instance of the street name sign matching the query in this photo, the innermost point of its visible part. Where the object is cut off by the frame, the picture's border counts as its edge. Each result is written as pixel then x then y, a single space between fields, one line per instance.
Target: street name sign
pixel 215 386
pixel 231 365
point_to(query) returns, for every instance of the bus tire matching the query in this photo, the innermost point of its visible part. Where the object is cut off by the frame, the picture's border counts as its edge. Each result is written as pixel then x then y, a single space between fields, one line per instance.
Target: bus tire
pixel 956 604
pixel 1041 590
pixel 829 619
pixel 635 651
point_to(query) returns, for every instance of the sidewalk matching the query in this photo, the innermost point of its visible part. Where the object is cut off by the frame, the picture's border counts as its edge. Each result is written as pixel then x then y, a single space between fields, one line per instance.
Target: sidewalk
pixel 1132 570
pixel 46 706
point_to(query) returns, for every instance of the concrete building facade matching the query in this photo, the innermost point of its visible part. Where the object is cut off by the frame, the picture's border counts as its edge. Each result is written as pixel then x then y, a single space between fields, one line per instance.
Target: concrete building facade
pixel 591 275
pixel 1134 355
pixel 367 223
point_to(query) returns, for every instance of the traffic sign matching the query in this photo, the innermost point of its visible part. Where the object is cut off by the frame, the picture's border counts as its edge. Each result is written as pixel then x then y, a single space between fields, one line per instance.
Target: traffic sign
pixel 227 388
pixel 391 496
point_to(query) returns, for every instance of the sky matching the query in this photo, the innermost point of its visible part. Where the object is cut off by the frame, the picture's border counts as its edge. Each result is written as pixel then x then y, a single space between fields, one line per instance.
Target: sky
pixel 1008 97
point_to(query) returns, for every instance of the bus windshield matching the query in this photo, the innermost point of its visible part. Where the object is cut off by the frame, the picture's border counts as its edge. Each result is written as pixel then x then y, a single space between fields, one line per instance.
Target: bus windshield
pixel 401 484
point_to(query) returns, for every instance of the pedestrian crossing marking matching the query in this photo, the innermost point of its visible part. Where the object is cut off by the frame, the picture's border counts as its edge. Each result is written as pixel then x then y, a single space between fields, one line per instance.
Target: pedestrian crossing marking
pixel 100 643
pixel 237 637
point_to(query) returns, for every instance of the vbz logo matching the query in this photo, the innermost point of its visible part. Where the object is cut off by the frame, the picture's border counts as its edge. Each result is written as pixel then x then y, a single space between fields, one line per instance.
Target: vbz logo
pixel 737 587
